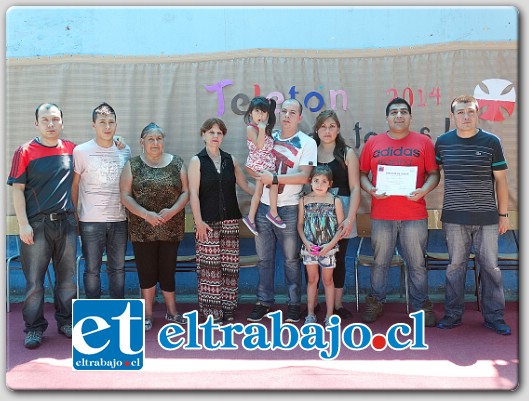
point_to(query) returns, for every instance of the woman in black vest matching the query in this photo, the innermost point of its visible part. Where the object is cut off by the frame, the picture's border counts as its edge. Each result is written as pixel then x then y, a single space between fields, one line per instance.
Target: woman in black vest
pixel 213 174
pixel 343 162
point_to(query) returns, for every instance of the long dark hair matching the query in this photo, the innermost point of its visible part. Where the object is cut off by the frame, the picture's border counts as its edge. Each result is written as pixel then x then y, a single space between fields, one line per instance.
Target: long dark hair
pixel 266 106
pixel 341 148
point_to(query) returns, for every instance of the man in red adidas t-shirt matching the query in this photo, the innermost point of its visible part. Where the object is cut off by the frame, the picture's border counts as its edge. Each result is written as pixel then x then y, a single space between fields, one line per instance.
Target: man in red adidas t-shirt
pixel 41 176
pixel 399 216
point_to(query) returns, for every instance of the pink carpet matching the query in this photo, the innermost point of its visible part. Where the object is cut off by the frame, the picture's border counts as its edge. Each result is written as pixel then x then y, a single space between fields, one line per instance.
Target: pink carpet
pixel 469 357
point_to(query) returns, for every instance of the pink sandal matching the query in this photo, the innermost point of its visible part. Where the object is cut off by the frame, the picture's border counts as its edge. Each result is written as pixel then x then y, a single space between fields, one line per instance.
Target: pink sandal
pixel 276 221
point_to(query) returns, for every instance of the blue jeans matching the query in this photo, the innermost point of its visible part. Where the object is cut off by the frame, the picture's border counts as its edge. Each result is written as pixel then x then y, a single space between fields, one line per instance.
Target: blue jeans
pixel 265 245
pixel 459 238
pixel 96 237
pixel 55 241
pixel 412 236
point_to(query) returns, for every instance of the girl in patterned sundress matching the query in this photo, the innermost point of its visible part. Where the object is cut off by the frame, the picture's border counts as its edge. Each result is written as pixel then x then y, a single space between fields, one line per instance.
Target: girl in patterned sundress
pixel 260 118
pixel 319 215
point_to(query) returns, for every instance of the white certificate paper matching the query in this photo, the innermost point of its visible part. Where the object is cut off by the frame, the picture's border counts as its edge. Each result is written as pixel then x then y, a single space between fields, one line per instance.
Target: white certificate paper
pixel 396 180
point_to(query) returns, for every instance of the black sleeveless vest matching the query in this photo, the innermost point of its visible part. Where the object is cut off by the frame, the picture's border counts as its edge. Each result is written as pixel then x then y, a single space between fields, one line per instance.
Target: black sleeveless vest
pixel 217 195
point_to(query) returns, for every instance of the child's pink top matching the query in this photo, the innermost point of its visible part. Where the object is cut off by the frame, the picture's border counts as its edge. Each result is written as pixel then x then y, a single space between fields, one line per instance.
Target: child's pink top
pixel 261 159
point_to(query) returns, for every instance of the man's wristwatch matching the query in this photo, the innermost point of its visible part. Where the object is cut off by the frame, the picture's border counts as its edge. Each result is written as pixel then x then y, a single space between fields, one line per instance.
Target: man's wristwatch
pixel 503 215
pixel 275 181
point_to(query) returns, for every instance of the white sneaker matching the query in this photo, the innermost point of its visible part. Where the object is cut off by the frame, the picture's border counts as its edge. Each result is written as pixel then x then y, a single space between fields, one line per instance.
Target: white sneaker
pixel 310 319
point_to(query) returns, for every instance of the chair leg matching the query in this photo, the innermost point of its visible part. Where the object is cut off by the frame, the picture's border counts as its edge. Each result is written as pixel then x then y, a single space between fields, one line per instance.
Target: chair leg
pixel 356 285
pixel 406 288
pixel 77 278
pixel 402 280
pixel 8 295
pixel 8 286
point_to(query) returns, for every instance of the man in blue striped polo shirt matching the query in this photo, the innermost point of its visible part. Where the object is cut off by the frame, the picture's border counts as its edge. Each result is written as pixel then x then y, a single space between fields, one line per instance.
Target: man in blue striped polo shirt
pixel 474 212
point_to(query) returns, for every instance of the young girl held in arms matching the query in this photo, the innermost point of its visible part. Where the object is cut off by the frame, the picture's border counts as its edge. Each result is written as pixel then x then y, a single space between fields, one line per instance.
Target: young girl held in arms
pixel 260 118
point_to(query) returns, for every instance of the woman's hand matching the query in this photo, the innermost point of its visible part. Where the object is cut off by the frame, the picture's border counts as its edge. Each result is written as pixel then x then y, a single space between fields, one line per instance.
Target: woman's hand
pixel 166 215
pixel 154 219
pixel 202 230
pixel 346 227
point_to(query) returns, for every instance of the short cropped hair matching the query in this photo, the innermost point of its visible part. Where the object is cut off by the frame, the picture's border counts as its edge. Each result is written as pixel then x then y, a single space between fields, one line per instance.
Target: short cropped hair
pixel 47 107
pixel 398 100
pixel 464 99
pixel 298 102
pixel 103 109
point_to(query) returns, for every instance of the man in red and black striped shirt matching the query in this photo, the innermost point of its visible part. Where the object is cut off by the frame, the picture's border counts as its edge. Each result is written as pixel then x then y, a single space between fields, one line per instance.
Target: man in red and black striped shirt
pixel 41 176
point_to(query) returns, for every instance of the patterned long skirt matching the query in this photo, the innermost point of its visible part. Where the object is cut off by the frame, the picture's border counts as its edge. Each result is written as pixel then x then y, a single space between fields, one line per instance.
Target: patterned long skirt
pixel 218 269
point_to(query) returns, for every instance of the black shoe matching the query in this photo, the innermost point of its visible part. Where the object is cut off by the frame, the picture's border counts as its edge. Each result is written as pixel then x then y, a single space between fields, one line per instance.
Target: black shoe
pixel 176 318
pixel 293 314
pixel 343 313
pixel 429 315
pixel 228 317
pixel 305 311
pixel 258 312
pixel 33 339
pixel 449 322
pixel 373 310
pixel 499 326
pixel 65 330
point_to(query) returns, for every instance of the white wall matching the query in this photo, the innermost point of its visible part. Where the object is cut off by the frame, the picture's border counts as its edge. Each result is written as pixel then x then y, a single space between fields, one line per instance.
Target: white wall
pixel 47 31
